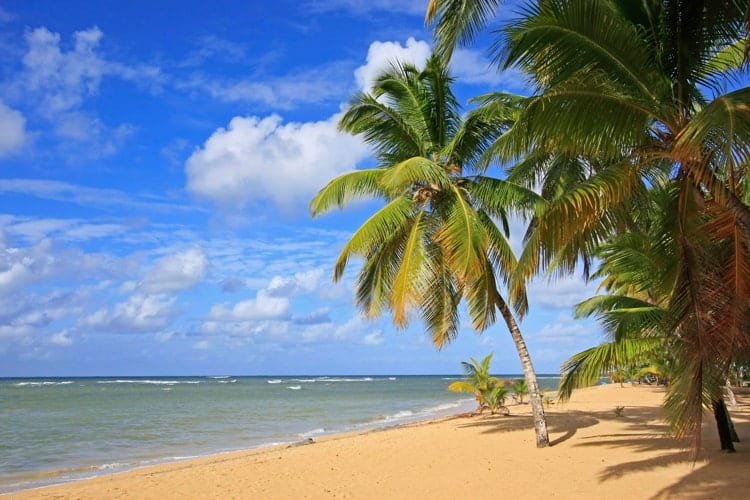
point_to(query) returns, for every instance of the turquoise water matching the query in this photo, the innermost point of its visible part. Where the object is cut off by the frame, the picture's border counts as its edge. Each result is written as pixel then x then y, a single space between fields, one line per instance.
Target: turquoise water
pixel 60 429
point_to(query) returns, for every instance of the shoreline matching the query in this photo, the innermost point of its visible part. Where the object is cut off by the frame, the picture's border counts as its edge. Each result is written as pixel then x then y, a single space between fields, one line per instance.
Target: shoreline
pixel 62 477
pixel 594 454
pixel 228 455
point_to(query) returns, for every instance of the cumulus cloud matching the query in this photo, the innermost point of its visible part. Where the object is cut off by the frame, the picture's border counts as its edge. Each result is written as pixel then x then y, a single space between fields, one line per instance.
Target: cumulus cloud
pixel 23 314
pixel 13 126
pixel 262 307
pixel 139 314
pixel 303 282
pixel 61 339
pixel 256 160
pixel 176 272
pixel 381 55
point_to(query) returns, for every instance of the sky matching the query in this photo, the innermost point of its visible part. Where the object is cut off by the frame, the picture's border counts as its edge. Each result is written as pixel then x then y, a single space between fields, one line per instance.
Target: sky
pixel 156 163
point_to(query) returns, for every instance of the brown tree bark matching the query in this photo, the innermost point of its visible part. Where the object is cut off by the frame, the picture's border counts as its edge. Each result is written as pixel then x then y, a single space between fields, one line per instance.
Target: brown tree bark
pixel 535 398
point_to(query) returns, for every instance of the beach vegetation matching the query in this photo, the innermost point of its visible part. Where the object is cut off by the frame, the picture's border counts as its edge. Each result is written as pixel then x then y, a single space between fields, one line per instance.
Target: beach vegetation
pixel 489 391
pixel 520 389
pixel 441 237
pixel 630 97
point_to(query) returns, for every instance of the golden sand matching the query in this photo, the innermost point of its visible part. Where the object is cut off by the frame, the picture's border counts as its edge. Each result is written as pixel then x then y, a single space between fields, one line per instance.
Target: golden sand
pixel 595 454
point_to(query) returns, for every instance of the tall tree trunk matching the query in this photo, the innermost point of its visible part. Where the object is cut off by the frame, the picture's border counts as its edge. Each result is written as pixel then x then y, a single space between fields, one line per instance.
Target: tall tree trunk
pixel 722 423
pixel 535 398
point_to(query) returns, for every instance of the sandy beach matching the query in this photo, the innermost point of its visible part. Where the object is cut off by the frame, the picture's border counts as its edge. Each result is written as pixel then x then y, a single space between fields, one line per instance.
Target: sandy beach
pixel 595 454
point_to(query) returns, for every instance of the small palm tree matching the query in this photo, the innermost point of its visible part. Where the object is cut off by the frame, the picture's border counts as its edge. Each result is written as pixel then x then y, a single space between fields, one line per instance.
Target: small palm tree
pixel 495 399
pixel 520 388
pixel 489 391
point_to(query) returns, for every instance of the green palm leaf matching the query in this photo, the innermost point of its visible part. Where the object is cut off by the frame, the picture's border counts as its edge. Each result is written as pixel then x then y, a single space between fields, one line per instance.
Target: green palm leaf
pixel 342 189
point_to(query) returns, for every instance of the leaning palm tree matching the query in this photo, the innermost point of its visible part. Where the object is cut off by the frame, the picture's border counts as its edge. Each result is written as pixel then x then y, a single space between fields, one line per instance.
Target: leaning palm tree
pixel 435 242
pixel 625 88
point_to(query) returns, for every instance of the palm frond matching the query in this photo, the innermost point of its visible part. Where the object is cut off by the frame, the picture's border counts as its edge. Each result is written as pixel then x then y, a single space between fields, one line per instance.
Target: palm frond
pixel 461 237
pixel 457 22
pixel 405 175
pixel 587 367
pixel 379 228
pixel 406 286
pixel 343 188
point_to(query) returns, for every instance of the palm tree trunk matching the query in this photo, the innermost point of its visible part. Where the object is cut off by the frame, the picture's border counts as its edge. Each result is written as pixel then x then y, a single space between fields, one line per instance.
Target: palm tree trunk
pixel 723 424
pixel 535 398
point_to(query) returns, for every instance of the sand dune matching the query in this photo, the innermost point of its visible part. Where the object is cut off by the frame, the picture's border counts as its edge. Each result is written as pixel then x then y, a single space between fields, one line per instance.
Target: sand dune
pixel 595 454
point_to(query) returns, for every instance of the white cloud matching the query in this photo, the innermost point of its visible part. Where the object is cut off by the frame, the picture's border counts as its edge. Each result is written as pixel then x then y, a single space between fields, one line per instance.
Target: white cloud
pixel 139 314
pixel 264 159
pixel 61 339
pixel 13 127
pixel 303 282
pixel 57 79
pixel 381 55
pixel 201 345
pixel 256 160
pixel 374 338
pixel 63 79
pixel 20 267
pixel 176 272
pixel 263 307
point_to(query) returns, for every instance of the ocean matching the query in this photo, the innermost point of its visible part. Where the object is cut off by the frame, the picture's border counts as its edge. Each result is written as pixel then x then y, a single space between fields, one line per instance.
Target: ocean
pixel 55 430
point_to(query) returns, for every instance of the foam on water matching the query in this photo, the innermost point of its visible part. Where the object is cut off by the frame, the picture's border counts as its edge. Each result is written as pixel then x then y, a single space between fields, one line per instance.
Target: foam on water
pixel 314 432
pixel 85 426
pixel 149 382
pixel 43 383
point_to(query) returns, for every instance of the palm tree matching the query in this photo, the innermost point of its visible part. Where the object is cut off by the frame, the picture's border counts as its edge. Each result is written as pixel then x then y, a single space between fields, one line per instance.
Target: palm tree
pixel 625 89
pixel 489 391
pixel 641 270
pixel 520 388
pixel 435 242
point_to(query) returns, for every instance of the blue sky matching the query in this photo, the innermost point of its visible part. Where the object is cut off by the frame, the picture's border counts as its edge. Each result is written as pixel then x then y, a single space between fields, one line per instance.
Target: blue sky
pixel 156 161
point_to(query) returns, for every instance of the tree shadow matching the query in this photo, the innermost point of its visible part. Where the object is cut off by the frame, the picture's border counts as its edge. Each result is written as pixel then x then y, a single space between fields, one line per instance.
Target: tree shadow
pixel 565 423
pixel 714 475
